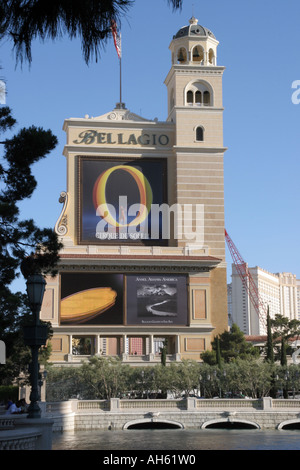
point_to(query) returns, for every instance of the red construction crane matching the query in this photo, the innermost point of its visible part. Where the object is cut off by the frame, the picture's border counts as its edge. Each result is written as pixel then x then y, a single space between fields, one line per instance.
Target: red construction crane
pixel 248 282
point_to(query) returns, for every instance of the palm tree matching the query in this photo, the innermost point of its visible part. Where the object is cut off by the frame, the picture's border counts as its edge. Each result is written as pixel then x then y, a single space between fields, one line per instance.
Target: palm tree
pixel 26 20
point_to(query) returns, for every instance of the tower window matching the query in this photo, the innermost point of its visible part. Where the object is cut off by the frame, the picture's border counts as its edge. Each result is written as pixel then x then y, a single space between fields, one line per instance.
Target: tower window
pixel 198 94
pixel 206 98
pixel 198 97
pixel 190 97
pixel 199 134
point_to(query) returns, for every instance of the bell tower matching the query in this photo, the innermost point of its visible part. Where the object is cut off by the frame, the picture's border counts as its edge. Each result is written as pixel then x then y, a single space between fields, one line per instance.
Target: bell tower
pixel 194 85
pixel 195 108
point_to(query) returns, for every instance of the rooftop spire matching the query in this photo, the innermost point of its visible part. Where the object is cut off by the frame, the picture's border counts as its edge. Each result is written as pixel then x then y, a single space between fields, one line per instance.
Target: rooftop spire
pixel 193 20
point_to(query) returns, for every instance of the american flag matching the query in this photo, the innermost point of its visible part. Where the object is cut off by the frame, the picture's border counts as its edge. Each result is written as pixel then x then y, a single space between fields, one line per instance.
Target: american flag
pixel 117 38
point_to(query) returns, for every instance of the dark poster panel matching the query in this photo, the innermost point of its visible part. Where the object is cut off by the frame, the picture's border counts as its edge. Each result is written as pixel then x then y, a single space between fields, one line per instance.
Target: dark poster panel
pixel 116 197
pixel 156 300
pixel 91 299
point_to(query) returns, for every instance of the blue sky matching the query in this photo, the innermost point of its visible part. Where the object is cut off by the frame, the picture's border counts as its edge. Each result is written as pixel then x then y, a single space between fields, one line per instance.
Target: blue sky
pixel 260 48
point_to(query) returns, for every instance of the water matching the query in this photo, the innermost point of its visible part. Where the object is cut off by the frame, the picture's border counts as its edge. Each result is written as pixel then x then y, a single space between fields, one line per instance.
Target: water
pixel 178 439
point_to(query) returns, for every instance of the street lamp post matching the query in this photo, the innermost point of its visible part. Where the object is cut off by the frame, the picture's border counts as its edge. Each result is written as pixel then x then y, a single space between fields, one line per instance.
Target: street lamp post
pixel 35 335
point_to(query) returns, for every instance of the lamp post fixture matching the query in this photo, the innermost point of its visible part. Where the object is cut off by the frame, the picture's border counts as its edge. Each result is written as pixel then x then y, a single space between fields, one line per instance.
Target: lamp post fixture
pixel 35 335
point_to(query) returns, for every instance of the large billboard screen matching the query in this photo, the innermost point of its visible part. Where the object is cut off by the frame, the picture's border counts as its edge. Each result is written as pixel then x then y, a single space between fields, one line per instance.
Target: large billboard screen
pixel 91 299
pixel 156 300
pixel 116 200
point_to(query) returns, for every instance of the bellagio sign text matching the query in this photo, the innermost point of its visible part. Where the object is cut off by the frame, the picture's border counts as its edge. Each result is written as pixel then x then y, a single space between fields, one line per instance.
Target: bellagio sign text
pixel 90 137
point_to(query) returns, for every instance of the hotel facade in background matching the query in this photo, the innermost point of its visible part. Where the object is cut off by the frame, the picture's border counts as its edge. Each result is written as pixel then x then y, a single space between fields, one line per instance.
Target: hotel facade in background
pixel 142 223
pixel 280 292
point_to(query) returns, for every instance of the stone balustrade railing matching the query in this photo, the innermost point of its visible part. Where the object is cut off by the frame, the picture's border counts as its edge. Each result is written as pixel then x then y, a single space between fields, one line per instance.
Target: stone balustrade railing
pixel 190 404
pixel 20 439
pixel 257 404
pixel 17 432
pixel 192 413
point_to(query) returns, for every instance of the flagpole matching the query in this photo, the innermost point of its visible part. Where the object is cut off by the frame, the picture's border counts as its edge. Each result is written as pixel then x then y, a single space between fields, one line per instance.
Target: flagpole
pixel 121 105
pixel 118 46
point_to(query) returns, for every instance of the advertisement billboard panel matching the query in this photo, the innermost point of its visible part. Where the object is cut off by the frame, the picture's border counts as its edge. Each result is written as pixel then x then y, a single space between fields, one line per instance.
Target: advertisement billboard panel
pixel 91 299
pixel 116 197
pixel 156 300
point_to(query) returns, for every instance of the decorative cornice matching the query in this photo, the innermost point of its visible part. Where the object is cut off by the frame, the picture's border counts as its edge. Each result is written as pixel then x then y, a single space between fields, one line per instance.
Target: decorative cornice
pixel 110 330
pixel 199 69
pixel 113 121
pixel 188 69
pixel 140 257
pixel 125 263
pixel 195 108
pixel 80 151
pixel 186 149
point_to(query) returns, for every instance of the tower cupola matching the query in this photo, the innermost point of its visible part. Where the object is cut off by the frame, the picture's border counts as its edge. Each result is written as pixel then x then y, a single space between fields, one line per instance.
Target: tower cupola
pixel 194 44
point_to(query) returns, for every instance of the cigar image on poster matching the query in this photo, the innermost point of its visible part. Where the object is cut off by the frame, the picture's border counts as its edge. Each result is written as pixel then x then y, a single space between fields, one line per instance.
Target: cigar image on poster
pixel 91 299
pixel 156 299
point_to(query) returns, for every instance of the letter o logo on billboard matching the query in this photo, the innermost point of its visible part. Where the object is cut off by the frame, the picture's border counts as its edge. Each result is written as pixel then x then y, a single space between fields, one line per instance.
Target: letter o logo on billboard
pixel 145 192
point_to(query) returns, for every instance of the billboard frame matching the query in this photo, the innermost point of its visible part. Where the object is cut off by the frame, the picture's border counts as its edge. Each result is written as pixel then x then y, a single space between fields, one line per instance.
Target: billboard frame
pixel 81 159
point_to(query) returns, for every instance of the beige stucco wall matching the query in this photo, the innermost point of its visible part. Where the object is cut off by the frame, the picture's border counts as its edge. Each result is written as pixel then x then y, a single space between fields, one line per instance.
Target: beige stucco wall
pixel 219 317
pixel 200 181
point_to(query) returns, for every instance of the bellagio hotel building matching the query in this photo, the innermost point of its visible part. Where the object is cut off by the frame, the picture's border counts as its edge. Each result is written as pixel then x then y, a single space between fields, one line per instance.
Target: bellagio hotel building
pixel 142 223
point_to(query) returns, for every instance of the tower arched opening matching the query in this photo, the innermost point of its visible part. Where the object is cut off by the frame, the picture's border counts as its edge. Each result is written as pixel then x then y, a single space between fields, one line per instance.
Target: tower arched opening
pixel 211 57
pixel 181 55
pixel 198 54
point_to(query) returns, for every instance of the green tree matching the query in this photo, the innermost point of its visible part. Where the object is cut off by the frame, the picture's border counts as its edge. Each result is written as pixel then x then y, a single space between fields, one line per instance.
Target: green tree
pixel 218 353
pixel 270 354
pixel 232 346
pixel 105 378
pixel 162 380
pixel 64 383
pixel 209 357
pixel 22 240
pixel 163 352
pixel 22 21
pixel 283 358
pixel 209 384
pixel 13 310
pixel 283 329
pixel 270 347
pixel 141 381
pixel 185 377
pixel 22 243
pixel 254 377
